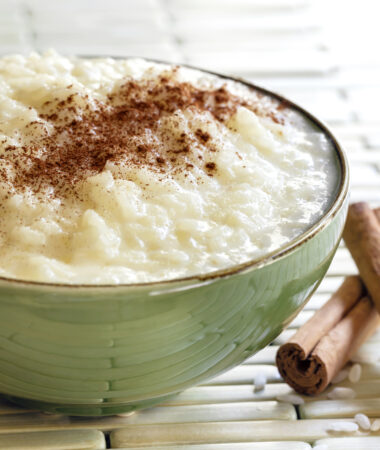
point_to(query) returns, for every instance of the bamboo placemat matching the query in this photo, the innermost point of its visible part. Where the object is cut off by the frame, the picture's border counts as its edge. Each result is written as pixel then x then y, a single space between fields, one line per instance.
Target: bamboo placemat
pixel 300 49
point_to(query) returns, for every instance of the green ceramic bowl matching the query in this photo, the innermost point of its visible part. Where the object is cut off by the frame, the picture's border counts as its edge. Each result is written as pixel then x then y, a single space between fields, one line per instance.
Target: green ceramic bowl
pixel 98 350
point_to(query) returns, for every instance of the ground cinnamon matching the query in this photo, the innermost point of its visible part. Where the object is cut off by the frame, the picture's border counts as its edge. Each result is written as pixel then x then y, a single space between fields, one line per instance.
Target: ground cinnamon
pixel 127 129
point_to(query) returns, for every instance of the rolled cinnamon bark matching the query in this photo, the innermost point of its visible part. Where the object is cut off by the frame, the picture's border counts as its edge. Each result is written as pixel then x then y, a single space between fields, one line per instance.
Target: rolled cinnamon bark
pixel 314 355
pixel 362 237
pixel 377 213
pixel 319 349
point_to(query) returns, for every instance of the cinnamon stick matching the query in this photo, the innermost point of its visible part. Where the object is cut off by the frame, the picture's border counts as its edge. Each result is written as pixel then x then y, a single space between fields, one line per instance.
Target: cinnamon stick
pixel 319 349
pixel 329 315
pixel 377 213
pixel 362 237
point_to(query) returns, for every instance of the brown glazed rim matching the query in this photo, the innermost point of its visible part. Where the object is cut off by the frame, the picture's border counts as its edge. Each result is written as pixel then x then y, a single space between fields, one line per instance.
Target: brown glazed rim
pixel 326 218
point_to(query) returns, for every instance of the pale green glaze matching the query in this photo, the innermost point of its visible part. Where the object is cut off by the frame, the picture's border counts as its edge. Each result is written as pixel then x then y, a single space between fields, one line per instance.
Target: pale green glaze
pixel 102 352
pixel 105 350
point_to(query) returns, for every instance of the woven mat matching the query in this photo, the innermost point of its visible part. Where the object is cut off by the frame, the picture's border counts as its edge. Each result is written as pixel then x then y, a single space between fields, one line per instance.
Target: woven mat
pixel 306 50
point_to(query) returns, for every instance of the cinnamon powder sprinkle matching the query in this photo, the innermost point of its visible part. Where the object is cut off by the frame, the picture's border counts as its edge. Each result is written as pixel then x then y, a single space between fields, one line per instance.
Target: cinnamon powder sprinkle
pixel 211 168
pixel 118 131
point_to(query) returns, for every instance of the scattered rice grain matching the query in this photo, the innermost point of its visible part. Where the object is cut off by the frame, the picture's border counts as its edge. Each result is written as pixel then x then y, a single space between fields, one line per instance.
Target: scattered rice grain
pixel 259 382
pixel 355 373
pixel 343 427
pixel 375 425
pixel 363 421
pixel 341 393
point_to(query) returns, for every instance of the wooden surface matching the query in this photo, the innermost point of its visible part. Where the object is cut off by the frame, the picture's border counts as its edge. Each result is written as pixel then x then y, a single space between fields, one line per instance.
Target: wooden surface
pixel 304 50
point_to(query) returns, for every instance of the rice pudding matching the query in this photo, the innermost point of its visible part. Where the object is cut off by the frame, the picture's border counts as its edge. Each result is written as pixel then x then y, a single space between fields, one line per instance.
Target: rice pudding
pixel 129 171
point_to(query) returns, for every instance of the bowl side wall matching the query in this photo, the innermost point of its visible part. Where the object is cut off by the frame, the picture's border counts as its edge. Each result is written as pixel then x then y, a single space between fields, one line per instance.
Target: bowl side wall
pixel 114 353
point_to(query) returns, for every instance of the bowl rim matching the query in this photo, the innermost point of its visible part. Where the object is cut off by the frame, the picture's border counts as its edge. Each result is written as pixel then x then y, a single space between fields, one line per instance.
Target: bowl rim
pixel 266 259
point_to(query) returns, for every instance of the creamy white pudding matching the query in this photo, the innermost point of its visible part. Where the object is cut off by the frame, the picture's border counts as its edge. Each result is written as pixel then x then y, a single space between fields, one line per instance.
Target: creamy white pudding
pixel 128 171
